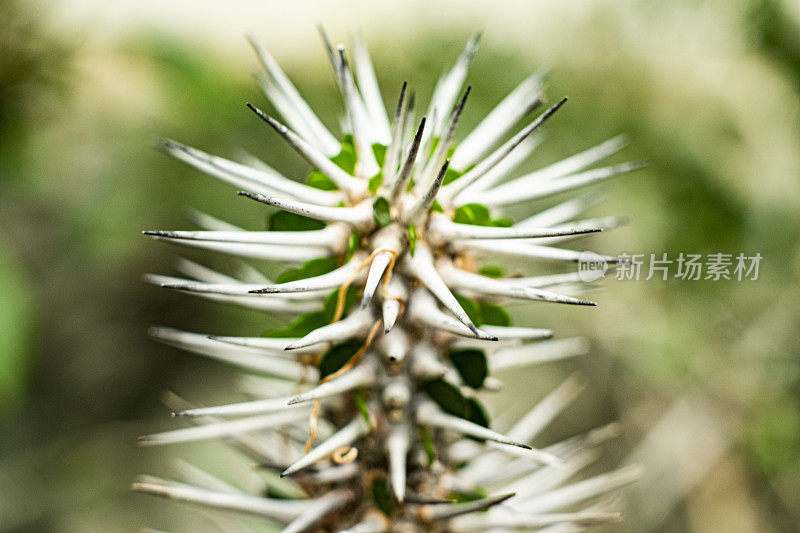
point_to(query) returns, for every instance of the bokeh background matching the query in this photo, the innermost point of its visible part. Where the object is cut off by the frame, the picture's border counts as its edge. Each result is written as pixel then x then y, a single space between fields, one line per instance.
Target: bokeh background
pixel 704 375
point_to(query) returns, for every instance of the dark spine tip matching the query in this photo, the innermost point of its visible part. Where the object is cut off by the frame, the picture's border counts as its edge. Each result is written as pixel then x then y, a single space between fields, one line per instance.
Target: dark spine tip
pixel 248 194
pixel 263 116
pixel 161 233
pixel 554 108
pixel 255 196
pixel 162 146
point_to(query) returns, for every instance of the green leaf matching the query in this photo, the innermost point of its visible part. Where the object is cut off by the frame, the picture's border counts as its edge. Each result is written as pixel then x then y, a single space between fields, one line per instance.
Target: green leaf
pixel 450 150
pixel 375 182
pixel 314 267
pixel 380 153
pixel 451 175
pixel 412 239
pixel 478 215
pixel 353 242
pixel 450 400
pixel 471 366
pixel 494 315
pixel 286 221
pixel 305 324
pixel 484 313
pixel 329 305
pixel 463 497
pixel 380 211
pixel 475 214
pixel 472 309
pixel 427 445
pixel 476 413
pixel 447 397
pixel 436 206
pixel 382 496
pixel 434 143
pixel 318 180
pixel 279 493
pixel 337 356
pixel 491 271
pixel 346 159
pixel 361 405
pixel 301 326
pixel 502 222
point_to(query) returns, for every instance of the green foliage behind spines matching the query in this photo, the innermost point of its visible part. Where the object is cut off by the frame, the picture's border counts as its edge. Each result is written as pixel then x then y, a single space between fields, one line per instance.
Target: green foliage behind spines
pixel 412 239
pixel 286 221
pixel 471 365
pixel 299 327
pixel 483 312
pixel 478 215
pixel 345 159
pixel 310 269
pixel 382 496
pixel 306 323
pixel 450 400
pixel 336 357
pixel 381 212
pixel 491 271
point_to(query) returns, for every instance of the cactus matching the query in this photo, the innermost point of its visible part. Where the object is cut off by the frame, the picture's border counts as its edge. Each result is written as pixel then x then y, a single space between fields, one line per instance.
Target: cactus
pixel 370 412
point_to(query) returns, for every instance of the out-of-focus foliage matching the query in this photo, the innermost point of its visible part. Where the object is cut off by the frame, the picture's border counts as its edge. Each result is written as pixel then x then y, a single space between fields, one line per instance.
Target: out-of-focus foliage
pixel 708 92
pixel 15 323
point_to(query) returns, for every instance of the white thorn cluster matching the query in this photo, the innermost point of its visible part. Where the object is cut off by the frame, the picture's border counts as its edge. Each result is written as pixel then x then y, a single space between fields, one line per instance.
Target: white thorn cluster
pixel 366 404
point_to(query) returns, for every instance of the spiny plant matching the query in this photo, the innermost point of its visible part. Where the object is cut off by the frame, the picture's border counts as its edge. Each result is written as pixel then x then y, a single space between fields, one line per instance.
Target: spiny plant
pixel 367 406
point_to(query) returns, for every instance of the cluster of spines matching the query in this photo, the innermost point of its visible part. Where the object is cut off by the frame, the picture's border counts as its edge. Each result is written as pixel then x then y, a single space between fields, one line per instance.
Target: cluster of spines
pixel 399 325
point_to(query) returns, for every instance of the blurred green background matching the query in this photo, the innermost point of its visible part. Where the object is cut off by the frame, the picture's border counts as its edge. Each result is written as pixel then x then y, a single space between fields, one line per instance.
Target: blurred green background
pixel 704 375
